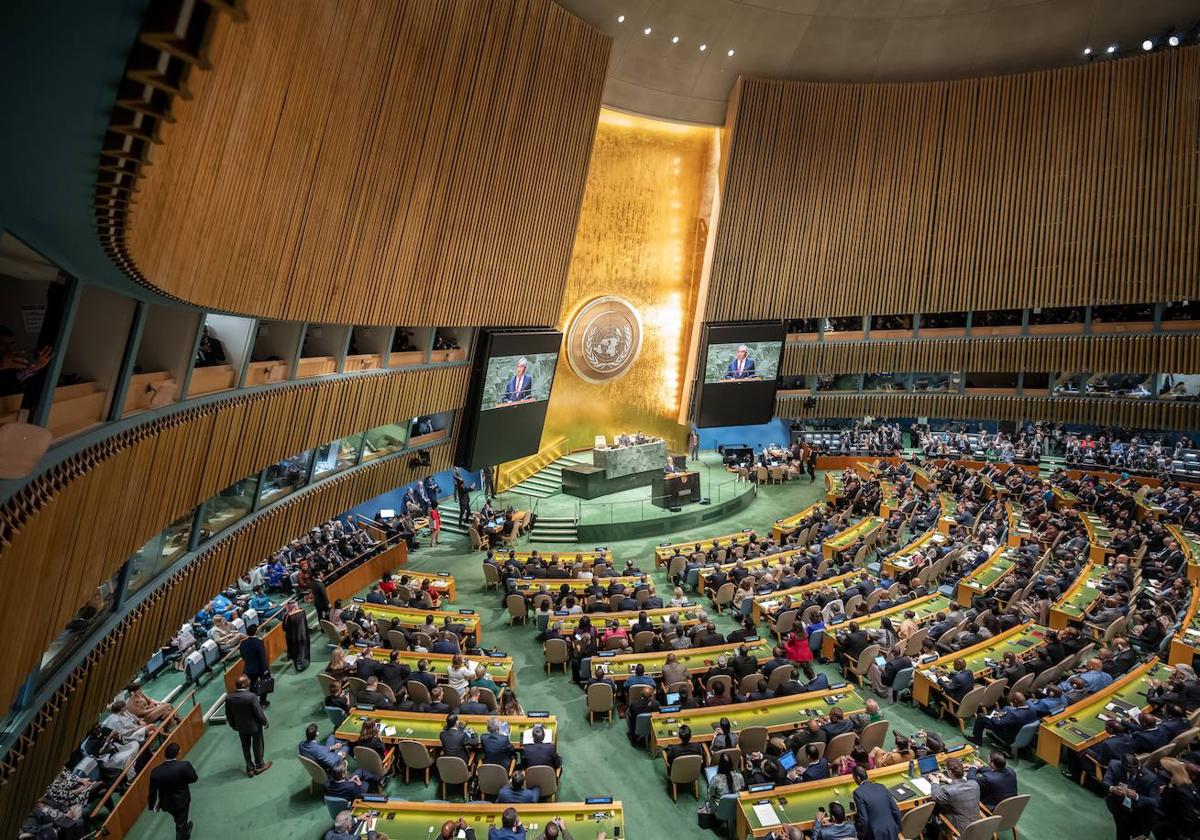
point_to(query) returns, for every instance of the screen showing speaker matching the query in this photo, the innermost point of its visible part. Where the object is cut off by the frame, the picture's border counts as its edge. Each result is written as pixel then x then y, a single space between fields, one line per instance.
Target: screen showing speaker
pixel 511 379
pixel 741 363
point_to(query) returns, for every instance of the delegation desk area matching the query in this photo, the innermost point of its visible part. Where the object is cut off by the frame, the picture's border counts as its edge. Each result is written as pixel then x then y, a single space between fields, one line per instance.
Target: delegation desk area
pixel 600 818
pixel 499 668
pixel 665 551
pixel 778 714
pixel 923 609
pixel 981 659
pixel 414 619
pixel 619 667
pixel 761 812
pixel 424 728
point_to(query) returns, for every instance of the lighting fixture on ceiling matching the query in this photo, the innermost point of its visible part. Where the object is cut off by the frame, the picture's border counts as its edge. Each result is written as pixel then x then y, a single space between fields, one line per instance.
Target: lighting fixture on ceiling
pixel 703 47
pixel 647 31
pixel 620 18
pixel 730 53
pixel 675 40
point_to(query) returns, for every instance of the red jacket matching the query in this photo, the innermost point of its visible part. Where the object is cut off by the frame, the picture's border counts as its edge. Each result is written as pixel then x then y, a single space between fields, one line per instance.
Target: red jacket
pixel 797 649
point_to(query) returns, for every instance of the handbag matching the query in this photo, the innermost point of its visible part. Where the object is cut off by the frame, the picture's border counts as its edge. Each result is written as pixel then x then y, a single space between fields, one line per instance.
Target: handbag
pixel 264 685
pixel 704 817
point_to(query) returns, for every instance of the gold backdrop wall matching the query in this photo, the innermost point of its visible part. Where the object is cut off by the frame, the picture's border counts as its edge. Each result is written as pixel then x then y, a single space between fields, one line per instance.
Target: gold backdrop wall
pixel 641 236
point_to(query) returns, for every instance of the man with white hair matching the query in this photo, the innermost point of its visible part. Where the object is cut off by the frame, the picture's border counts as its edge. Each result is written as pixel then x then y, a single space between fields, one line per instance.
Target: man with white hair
pixel 741 366
pixel 520 386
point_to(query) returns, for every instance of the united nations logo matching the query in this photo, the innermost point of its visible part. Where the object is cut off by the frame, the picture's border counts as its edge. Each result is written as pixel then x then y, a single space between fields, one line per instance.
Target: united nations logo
pixel 604 339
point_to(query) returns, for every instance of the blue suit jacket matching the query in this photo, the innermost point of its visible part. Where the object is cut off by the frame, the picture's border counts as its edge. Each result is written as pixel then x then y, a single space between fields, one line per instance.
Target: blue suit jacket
pixel 512 394
pixel 746 372
pixel 876 816
pixel 995 785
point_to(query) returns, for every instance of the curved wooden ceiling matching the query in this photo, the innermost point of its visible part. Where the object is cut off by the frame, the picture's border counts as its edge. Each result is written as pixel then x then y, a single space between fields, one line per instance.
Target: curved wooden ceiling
pixel 409 162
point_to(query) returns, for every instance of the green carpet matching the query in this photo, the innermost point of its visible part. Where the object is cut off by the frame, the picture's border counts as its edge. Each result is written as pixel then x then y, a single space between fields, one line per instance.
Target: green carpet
pixel 598 759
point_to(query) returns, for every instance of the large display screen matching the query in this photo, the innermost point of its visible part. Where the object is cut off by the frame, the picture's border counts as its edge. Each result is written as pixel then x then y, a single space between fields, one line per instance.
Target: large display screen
pixel 514 380
pixel 741 363
pixel 511 379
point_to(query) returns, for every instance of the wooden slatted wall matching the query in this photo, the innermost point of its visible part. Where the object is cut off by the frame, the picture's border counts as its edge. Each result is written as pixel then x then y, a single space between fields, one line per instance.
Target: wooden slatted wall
pixel 1143 414
pixel 350 161
pixel 62 723
pixel 1112 353
pixel 1062 187
pixel 80 522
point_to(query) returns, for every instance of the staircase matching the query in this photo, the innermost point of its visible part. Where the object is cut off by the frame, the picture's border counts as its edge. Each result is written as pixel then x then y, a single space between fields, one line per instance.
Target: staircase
pixel 547 481
pixel 549 529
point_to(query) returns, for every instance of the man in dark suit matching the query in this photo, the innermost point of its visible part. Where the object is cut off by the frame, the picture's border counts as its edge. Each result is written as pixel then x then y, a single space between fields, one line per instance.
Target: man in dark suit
pixel 684 747
pixel 961 681
pixel 539 753
pixel 876 816
pixel 837 725
pixel 818 766
pixel 319 596
pixel 519 386
pixel 169 790
pixel 245 715
pixel 997 781
pixel 1133 794
pixel 497 748
pixel 1007 723
pixel 255 664
pixel 372 696
pixel 366 666
pixel 423 676
pixel 394 674
pixel 741 366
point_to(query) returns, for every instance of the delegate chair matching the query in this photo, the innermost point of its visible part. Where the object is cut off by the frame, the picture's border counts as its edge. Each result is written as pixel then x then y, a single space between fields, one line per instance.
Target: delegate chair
pixel 1009 811
pixel 967 708
pixel 599 701
pixel 316 774
pixel 416 756
pixel 981 829
pixel 452 770
pixel 557 653
pixel 491 777
pixel 753 739
pixel 544 779
pixel 375 764
pixel 840 745
pixel 912 823
pixel 873 735
pixel 491 576
pixel 335 805
pixel 685 770
pixel 518 609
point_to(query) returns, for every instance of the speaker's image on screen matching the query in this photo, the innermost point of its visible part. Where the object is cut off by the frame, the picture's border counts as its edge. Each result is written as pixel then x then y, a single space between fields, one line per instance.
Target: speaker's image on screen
pixel 741 365
pixel 513 380
pixel 747 361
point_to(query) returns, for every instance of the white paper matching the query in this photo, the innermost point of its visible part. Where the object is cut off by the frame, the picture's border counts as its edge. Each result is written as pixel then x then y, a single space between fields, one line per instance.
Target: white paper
pixel 922 784
pixel 527 736
pixel 765 814
pixel 389 731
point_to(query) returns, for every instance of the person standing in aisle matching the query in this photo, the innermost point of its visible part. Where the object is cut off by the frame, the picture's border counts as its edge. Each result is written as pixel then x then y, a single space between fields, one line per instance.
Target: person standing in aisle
pixel 435 523
pixel 245 716
pixel 170 784
pixel 295 632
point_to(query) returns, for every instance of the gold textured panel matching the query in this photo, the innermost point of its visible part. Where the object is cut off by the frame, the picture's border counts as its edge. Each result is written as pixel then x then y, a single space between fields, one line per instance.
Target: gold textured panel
pixel 641 237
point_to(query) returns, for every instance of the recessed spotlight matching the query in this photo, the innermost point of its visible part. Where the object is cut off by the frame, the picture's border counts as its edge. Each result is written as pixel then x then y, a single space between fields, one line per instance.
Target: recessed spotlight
pixel 1112 48
pixel 1087 50
pixel 1147 45
pixel 703 47
pixel 620 18
pixel 1173 41
pixel 675 40
pixel 647 31
pixel 730 53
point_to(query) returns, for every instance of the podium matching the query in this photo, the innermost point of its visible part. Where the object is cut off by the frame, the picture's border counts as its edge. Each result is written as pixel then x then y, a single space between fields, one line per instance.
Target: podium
pixel 675 490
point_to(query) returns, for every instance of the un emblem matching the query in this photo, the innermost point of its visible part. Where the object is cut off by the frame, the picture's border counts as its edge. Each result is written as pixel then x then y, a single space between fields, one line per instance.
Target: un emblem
pixel 604 339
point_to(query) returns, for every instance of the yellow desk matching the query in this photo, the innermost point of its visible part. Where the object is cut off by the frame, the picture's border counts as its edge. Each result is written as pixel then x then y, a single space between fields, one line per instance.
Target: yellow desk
pixel 414 619
pixel 925 608
pixel 1185 645
pixel 949 509
pixel 401 820
pixel 696 660
pixel 1098 536
pixel 663 553
pixel 418 726
pixel 443 582
pixel 1022 640
pixel 900 561
pixel 784 527
pixel 768 604
pixel 778 714
pixel 844 539
pixel 1079 726
pixel 800 802
pixel 1189 544
pixel 499 668
pixel 1076 600
pixel 987 575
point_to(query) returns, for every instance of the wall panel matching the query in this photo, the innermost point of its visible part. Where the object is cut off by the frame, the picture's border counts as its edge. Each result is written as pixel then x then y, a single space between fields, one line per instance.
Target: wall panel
pixel 412 162
pixel 76 525
pixel 1113 353
pixel 1061 187
pixel 1138 414
pixel 62 723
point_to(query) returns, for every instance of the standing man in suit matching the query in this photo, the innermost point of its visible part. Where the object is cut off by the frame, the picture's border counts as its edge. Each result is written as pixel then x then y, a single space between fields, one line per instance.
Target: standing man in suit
pixel 876 816
pixel 255 665
pixel 519 387
pixel 319 595
pixel 693 445
pixel 170 792
pixel 741 366
pixel 245 715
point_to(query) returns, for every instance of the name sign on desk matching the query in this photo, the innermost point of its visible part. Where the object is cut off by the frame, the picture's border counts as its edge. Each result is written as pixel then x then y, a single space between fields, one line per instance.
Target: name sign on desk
pixel 537 714
pixel 598 800
pixel 466 612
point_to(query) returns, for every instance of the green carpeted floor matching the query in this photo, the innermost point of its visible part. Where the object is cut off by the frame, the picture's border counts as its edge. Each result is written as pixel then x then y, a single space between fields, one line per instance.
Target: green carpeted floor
pixel 598 759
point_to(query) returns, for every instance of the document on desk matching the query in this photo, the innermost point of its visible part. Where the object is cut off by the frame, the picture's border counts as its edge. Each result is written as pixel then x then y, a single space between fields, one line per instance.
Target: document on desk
pixel 922 784
pixel 389 731
pixel 527 735
pixel 765 814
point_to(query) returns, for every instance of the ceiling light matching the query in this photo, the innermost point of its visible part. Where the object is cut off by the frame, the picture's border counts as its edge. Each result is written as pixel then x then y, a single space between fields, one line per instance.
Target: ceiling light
pixel 703 47
pixel 1112 48
pixel 1087 50
pixel 1147 45
pixel 647 31
pixel 1173 40
pixel 620 18
pixel 730 53
pixel 675 40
